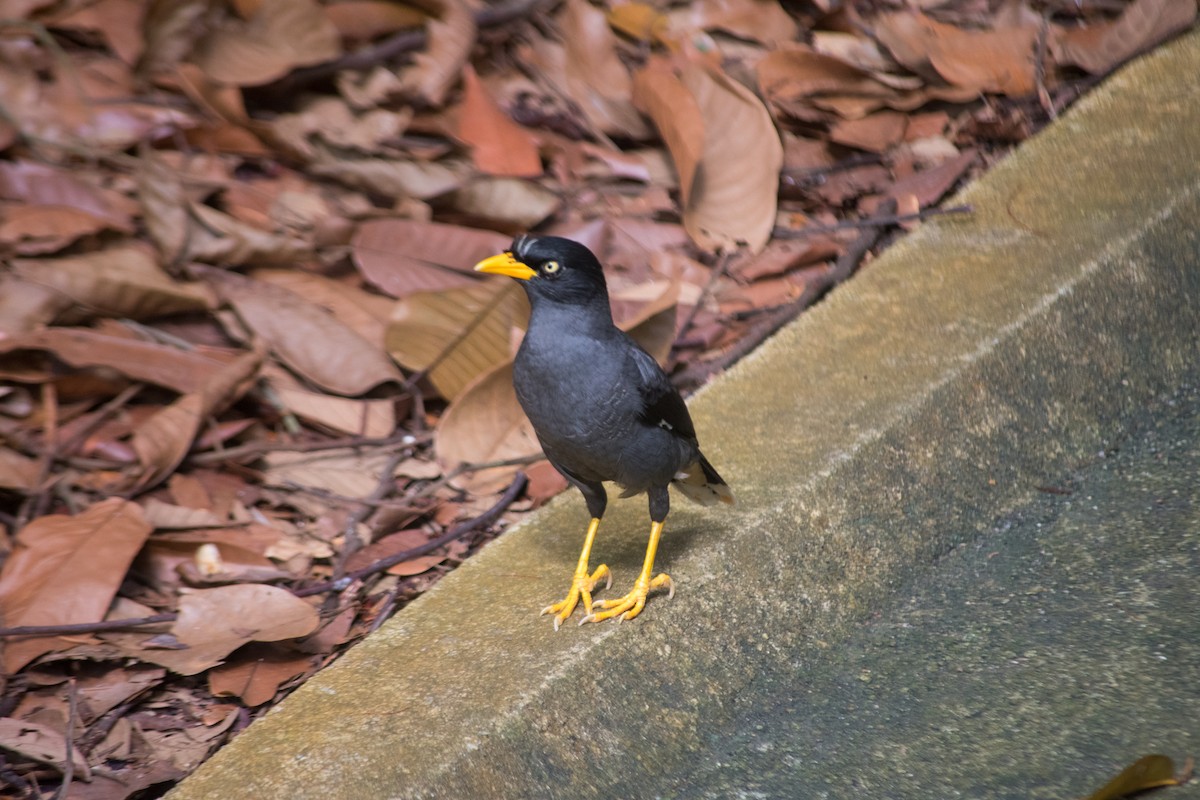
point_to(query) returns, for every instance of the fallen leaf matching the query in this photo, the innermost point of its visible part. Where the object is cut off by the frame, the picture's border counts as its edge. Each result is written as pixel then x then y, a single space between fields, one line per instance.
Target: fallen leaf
pixel 402 256
pixel 519 203
pixel 499 146
pixel 371 418
pixel 213 623
pixel 437 67
pixel 17 471
pixel 586 69
pixel 397 543
pixel 1142 24
pixel 658 92
pixel 257 673
pixel 364 20
pixel 346 472
pixel 455 334
pixel 40 743
pixel 307 338
pixel 733 198
pixel 181 370
pixel 280 36
pixel 875 133
pixel 165 439
pixel 485 423
pixel 760 20
pixel 65 570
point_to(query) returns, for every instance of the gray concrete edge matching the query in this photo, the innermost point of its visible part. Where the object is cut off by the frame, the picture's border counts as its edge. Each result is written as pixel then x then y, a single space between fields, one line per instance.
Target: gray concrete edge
pixel 936 391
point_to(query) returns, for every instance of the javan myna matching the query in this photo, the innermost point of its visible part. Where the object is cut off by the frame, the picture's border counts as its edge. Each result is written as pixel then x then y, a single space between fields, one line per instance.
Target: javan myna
pixel 602 408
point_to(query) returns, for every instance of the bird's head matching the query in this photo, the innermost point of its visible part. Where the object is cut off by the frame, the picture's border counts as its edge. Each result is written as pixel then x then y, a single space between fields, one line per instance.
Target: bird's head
pixel 551 268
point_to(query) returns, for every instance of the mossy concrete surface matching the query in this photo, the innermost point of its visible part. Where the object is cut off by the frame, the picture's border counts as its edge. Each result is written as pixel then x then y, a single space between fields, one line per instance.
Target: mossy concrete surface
pixel 900 421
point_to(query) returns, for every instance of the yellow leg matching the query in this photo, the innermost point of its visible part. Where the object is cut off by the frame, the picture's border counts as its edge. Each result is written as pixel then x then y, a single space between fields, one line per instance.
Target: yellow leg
pixel 631 605
pixel 583 583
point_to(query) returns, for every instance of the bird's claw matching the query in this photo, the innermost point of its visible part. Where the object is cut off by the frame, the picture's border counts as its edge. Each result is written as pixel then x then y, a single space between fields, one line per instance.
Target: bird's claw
pixel 630 605
pixel 581 589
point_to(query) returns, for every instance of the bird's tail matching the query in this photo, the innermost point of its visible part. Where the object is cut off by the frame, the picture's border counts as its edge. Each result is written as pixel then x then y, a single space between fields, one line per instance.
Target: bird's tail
pixel 701 483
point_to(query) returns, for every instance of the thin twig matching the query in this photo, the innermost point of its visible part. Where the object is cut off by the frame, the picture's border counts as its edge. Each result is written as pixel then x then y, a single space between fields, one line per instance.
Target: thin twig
pixel 86 627
pixel 879 220
pixel 260 448
pixel 69 738
pixel 486 518
pixel 843 268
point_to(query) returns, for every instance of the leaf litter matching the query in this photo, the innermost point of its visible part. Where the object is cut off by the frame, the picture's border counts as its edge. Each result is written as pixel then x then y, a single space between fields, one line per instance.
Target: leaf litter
pixel 253 399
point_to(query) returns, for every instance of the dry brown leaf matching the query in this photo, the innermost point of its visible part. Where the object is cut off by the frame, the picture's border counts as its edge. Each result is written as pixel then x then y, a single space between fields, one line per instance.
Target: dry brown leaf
pixel 282 35
pixel 370 418
pixel 165 516
pixel 451 37
pixel 213 623
pixel 307 338
pixel 733 197
pixel 659 94
pixel 346 472
pixel 257 673
pixel 874 133
pixel 364 20
pixel 402 256
pixel 162 365
pixel 18 471
pixel 586 69
pixel 40 743
pixel 123 281
pixel 1141 25
pixel 332 120
pixel 397 543
pixel 187 230
pixel 65 570
pixel 1000 60
pixel 455 334
pixel 35 230
pixel 165 439
pixel 391 177
pixel 639 21
pixel 43 185
pixel 518 202
pixel 761 20
pixel 485 423
pixel 363 312
pixel 499 146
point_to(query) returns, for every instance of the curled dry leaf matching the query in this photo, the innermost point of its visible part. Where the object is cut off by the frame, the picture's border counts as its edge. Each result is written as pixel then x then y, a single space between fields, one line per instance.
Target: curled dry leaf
pixel 213 623
pixel 761 20
pixel 345 472
pixel 370 418
pixel 586 69
pixel 486 423
pixel 499 146
pixel 451 37
pixel 257 673
pixel 40 743
pixel 34 230
pixel 1000 60
pixel 364 20
pixel 423 180
pixel 42 185
pixel 164 440
pixel 519 203
pixel 280 36
pixel 456 334
pixel 1142 24
pixel 731 198
pixel 65 570
pixel 186 230
pixel 306 337
pixel 1148 772
pixel 123 281
pixel 658 92
pixel 402 256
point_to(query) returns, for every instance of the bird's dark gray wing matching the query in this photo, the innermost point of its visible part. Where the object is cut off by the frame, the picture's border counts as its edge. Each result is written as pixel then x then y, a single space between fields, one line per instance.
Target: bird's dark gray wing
pixel 661 404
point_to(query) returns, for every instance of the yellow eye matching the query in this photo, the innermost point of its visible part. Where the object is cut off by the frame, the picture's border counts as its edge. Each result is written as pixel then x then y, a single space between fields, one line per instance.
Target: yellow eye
pixel 551 267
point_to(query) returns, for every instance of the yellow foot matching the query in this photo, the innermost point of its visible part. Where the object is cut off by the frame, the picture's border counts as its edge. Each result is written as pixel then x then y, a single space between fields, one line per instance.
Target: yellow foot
pixel 581 589
pixel 631 605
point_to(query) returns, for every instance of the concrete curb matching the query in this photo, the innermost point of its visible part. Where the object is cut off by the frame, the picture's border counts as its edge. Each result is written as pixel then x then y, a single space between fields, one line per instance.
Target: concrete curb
pixel 898 419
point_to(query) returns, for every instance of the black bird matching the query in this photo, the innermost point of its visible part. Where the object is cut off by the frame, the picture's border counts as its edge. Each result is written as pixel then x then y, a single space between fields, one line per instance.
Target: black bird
pixel 602 408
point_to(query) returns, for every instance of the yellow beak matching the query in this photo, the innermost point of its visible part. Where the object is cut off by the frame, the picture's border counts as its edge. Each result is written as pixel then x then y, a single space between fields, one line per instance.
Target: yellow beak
pixel 505 264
